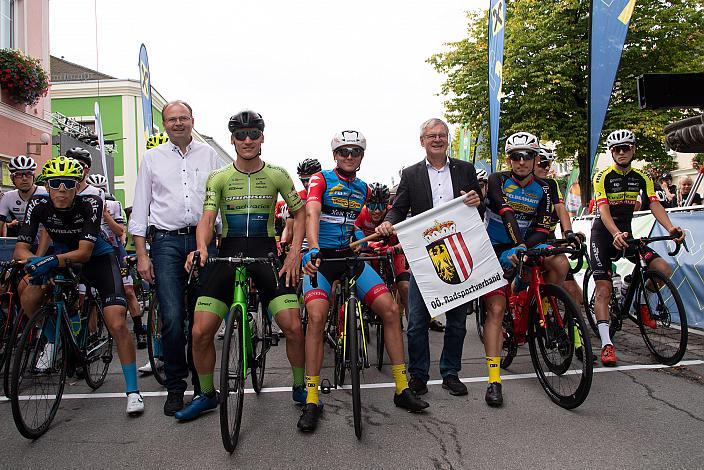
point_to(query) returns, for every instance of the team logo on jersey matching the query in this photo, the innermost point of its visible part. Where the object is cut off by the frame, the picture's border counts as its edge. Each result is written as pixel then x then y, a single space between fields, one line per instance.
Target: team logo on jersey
pixel 448 251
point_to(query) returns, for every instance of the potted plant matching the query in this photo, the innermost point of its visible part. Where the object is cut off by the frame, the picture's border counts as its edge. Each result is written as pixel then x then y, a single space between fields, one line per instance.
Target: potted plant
pixel 22 78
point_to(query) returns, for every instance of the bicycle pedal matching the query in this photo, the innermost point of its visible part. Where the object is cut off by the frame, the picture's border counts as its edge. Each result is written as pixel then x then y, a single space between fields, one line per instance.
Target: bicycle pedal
pixel 274 340
pixel 325 386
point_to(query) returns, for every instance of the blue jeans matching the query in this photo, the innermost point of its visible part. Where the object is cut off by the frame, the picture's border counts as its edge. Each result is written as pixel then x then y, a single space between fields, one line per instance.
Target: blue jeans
pixel 168 253
pixel 417 334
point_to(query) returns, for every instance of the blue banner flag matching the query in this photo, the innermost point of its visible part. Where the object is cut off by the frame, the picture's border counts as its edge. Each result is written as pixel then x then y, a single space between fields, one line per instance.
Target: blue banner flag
pixel 609 25
pixel 146 84
pixel 497 20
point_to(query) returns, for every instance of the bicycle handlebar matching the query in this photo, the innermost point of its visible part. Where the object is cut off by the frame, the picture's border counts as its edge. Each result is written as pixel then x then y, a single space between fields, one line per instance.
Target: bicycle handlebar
pixel 270 259
pixel 648 240
pixel 345 259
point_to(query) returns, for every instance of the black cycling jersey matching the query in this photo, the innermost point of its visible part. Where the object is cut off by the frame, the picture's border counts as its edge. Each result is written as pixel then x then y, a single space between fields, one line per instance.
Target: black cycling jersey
pixel 620 191
pixel 66 226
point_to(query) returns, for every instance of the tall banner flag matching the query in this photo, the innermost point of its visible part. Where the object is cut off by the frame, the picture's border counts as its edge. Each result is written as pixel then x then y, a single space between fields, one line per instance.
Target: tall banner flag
pixel 146 85
pixel 450 255
pixel 101 141
pixel 497 19
pixel 609 25
pixel 465 144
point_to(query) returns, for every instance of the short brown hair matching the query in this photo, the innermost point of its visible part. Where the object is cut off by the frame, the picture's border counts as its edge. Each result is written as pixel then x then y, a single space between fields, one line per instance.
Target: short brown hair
pixel 171 103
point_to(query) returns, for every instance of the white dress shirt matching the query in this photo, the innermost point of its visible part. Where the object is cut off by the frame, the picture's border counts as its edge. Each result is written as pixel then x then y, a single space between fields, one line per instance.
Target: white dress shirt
pixel 171 187
pixel 440 183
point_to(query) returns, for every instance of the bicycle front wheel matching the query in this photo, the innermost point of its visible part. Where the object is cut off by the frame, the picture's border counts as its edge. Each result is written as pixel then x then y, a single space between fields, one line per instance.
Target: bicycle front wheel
pixel 355 363
pixel 97 347
pixel 38 373
pixel 565 379
pixel 154 341
pixel 666 333
pixel 232 377
pixel 588 298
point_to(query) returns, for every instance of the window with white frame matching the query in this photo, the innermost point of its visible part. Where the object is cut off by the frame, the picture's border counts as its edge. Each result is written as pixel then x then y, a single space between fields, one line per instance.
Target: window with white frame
pixel 7 27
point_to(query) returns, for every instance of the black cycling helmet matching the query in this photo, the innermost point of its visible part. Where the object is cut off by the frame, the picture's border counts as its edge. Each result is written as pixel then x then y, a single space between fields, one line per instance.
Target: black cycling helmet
pixel 246 120
pixel 80 154
pixel 309 166
pixel 379 193
pixel 666 176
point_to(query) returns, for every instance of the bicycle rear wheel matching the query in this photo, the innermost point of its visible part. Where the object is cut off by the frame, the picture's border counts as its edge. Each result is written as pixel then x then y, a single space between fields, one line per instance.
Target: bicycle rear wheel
pixel 97 345
pixel 509 348
pixel 154 341
pixel 355 363
pixel 342 350
pixel 11 348
pixel 232 377
pixel 588 289
pixel 38 373
pixel 379 343
pixel 565 379
pixel 667 341
pixel 261 341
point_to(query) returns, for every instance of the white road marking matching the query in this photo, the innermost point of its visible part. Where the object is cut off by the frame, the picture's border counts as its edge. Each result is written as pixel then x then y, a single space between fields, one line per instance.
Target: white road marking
pixel 163 393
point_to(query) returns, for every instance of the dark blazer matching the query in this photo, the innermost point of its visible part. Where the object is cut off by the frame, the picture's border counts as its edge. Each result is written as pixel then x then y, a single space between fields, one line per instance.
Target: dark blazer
pixel 414 194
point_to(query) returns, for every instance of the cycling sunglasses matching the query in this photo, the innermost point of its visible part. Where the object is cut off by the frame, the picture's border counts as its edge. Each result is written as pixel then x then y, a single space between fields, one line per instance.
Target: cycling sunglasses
pixel 253 134
pixel 55 183
pixel 517 156
pixel 22 174
pixel 544 164
pixel 376 206
pixel 304 180
pixel 346 152
pixel 621 148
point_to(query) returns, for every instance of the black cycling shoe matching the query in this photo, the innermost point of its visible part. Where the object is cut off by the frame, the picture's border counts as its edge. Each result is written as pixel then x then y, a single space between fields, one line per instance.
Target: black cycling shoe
pixel 579 354
pixel 435 325
pixel 418 386
pixel 454 386
pixel 493 396
pixel 174 403
pixel 309 419
pixel 409 401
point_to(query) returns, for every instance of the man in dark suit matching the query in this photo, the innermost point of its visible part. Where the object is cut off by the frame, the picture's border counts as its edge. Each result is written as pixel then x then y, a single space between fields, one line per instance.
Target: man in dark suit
pixel 435 180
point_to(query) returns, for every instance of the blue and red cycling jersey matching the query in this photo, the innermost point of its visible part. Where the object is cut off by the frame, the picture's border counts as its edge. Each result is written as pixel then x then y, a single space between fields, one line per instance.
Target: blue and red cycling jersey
pixel 342 200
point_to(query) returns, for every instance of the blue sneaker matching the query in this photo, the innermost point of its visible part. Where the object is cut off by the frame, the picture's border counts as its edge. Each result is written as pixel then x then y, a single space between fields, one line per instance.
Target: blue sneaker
pixel 198 405
pixel 299 394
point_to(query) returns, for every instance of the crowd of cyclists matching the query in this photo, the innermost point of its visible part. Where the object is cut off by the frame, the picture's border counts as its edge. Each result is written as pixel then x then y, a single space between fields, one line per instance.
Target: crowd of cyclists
pixel 65 215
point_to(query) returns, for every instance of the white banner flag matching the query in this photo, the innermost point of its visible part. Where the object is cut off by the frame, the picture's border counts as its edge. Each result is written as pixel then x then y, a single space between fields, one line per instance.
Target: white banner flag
pixel 450 255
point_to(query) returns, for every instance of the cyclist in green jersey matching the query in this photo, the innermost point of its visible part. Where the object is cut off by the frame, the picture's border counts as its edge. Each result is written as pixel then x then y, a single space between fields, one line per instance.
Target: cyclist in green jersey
pixel 245 193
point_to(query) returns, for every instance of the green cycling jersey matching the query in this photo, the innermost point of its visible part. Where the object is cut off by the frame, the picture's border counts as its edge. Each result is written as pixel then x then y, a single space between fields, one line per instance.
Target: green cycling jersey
pixel 247 200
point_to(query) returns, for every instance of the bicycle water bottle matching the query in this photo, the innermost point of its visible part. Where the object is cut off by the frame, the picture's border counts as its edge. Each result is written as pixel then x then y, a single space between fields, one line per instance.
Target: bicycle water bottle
pixel 617 283
pixel 75 323
pixel 625 285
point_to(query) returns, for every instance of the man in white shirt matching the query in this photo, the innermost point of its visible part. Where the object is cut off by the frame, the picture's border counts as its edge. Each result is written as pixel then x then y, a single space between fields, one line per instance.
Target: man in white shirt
pixel 168 202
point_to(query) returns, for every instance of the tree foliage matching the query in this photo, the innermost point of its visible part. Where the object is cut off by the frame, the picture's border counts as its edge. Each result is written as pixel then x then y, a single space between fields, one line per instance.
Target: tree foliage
pixel 545 70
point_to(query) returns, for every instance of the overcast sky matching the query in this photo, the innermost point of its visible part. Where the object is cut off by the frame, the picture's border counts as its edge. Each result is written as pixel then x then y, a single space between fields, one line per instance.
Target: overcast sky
pixel 311 68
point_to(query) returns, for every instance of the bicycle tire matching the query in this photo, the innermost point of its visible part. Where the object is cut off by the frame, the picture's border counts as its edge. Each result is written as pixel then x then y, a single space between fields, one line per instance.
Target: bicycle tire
pixel 232 377
pixel 550 338
pixel 354 361
pixel 29 349
pixel 97 348
pixel 17 329
pixel 664 334
pixel 154 341
pixel 261 339
pixel 509 348
pixel 6 326
pixel 588 302
pixel 342 350
pixel 379 343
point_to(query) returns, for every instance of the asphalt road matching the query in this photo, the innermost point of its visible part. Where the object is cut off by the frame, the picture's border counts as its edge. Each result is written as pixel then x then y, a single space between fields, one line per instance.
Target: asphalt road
pixel 637 416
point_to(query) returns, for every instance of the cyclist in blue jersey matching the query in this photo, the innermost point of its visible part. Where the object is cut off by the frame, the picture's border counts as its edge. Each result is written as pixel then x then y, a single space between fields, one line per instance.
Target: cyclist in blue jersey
pixel 518 216
pixel 335 199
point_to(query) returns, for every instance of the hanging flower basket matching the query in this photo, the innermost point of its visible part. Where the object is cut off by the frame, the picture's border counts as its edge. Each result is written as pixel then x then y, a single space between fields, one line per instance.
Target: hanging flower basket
pixel 22 78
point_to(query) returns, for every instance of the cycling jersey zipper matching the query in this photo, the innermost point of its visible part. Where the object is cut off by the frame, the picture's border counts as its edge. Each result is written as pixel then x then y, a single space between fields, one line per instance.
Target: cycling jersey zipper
pixel 249 198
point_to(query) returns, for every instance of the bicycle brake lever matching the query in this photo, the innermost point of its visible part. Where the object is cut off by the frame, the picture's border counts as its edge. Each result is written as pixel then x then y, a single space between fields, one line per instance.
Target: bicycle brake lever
pixel 275 266
pixel 194 266
pixel 314 279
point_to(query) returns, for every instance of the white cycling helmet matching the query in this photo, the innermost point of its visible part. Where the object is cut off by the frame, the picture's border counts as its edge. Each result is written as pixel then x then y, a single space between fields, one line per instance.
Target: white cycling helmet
pixel 99 181
pixel 620 136
pixel 22 163
pixel 348 138
pixel 546 153
pixel 482 175
pixel 522 141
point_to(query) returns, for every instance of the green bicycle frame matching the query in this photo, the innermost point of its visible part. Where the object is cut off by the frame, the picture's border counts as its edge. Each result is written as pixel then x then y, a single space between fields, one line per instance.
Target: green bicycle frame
pixel 239 297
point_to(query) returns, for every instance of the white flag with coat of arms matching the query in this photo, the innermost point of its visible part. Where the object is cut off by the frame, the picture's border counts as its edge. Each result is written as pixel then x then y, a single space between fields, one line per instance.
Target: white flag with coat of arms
pixel 450 255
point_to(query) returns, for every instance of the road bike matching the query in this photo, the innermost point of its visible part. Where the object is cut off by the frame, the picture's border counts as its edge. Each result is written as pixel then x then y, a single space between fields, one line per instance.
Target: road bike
pixel 650 296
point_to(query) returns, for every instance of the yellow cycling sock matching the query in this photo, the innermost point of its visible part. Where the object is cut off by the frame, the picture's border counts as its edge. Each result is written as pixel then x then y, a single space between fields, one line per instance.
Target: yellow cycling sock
pixel 312 382
pixel 399 373
pixel 494 365
pixel 577 338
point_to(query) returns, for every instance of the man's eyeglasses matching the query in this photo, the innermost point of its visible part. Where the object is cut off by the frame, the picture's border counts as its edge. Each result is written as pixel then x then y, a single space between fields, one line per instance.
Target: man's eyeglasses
pixel 436 136
pixel 174 120
pixel 304 181
pixel 242 135
pixel 22 174
pixel 376 206
pixel 516 156
pixel 68 183
pixel 622 148
pixel 346 152
pixel 544 164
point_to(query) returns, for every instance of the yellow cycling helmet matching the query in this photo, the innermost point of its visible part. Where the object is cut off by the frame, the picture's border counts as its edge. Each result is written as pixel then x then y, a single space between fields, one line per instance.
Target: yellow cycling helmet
pixel 62 167
pixel 157 139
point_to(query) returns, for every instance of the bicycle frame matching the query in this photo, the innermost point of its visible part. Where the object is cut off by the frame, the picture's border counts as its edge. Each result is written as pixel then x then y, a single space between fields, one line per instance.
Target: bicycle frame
pixel 239 296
